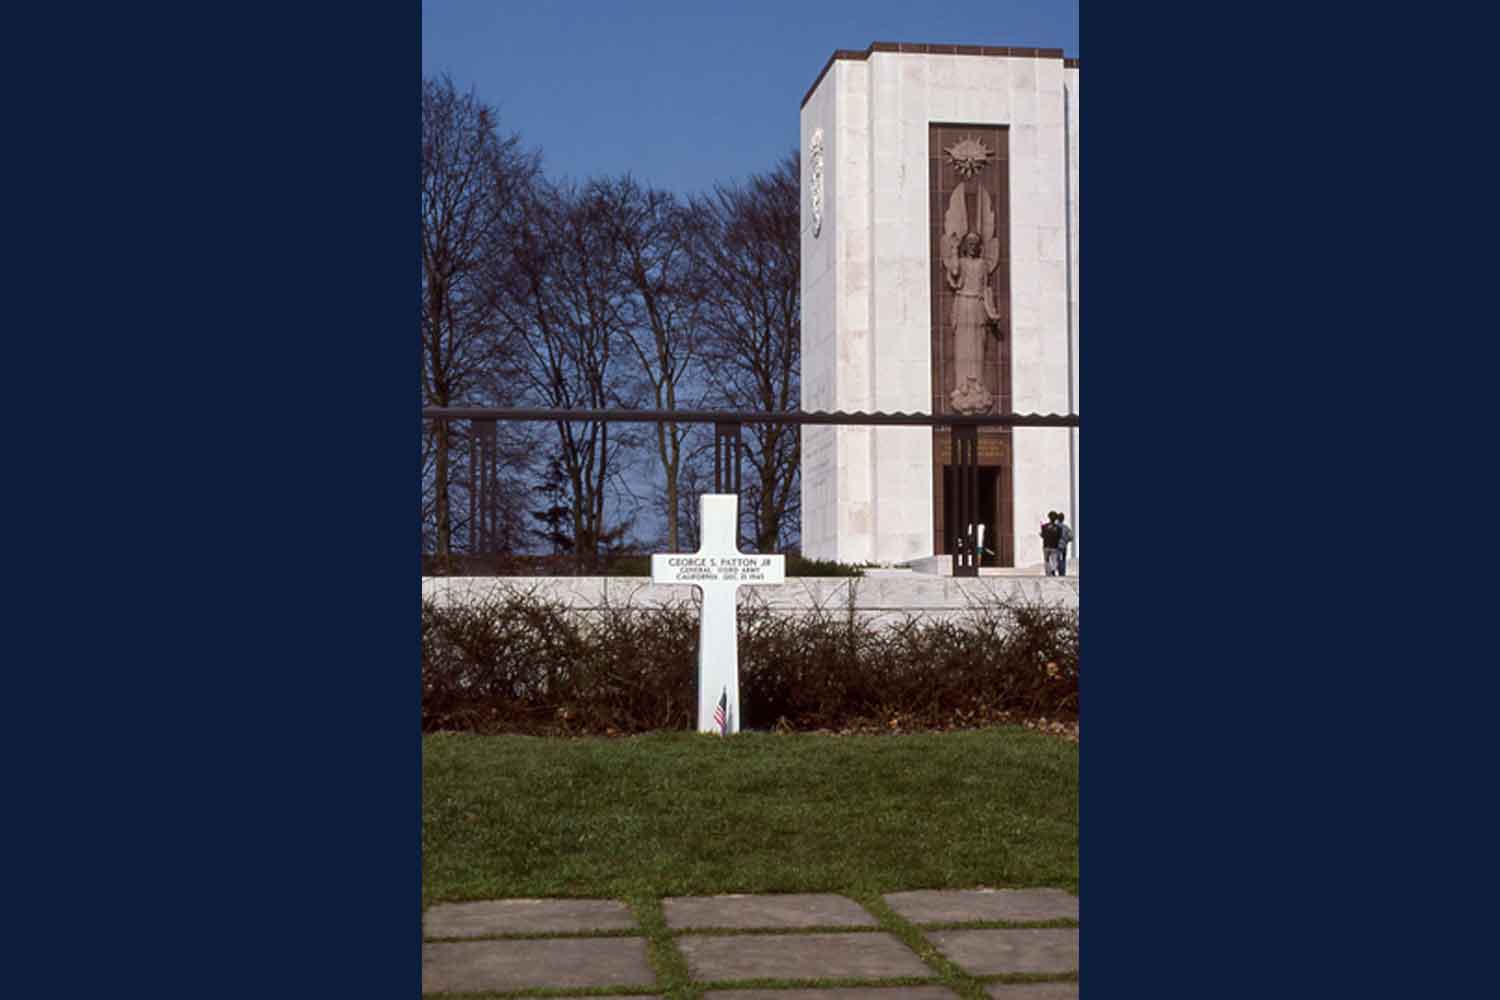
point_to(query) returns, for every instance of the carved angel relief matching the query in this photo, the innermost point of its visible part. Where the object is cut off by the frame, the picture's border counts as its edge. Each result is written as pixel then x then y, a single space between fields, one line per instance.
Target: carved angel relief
pixel 970 254
pixel 815 152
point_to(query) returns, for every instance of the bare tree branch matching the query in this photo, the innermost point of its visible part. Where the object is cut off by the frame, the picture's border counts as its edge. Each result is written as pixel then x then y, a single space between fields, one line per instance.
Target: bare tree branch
pixel 748 254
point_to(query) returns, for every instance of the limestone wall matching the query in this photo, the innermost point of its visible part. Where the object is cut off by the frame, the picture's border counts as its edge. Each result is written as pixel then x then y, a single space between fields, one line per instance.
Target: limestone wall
pixel 866 297
pixel 875 598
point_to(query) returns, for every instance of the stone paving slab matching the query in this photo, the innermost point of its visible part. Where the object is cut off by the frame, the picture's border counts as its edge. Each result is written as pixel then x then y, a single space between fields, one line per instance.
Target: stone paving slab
pixel 519 916
pixel 799 956
pixel 1034 991
pixel 958 906
pixel 988 952
pixel 788 910
pixel 846 993
pixel 472 966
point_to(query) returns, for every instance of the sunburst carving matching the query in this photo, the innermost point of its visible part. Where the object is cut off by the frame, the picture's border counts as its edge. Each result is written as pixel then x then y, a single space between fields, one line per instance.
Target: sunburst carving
pixel 968 156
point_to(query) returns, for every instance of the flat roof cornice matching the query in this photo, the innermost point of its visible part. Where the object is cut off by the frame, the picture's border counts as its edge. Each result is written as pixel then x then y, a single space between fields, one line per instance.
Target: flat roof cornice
pixel 1013 51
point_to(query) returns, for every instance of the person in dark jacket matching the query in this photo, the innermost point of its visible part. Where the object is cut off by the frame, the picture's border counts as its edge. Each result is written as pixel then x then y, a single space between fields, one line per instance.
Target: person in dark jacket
pixel 1051 538
pixel 1062 545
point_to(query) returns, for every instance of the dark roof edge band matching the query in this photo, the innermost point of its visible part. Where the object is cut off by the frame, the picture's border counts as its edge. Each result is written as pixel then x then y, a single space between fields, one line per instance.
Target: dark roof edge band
pixel 1014 51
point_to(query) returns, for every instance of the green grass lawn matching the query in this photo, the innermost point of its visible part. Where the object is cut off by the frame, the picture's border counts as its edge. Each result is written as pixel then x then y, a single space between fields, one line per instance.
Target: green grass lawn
pixel 683 814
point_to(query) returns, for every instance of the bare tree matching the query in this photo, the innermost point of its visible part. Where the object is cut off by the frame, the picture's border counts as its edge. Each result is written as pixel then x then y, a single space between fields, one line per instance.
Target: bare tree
pixel 564 302
pixel 650 232
pixel 748 258
pixel 695 477
pixel 473 184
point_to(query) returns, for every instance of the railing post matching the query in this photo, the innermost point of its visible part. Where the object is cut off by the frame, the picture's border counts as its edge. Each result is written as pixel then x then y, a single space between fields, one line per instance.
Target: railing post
pixel 727 462
pixel 727 457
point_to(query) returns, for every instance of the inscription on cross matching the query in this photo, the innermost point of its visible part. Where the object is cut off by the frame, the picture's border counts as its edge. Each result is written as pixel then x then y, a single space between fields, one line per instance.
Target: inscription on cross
pixel 718 569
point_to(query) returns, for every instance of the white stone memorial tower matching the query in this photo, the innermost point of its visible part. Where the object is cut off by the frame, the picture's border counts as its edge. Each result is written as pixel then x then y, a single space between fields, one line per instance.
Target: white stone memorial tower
pixel 939 274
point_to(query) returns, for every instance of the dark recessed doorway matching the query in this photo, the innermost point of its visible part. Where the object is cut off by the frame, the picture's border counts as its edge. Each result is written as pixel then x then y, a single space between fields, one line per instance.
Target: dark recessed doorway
pixel 996 543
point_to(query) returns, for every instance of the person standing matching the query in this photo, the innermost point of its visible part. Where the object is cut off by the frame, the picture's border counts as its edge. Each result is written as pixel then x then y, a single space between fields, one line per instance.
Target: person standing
pixel 1051 536
pixel 1064 538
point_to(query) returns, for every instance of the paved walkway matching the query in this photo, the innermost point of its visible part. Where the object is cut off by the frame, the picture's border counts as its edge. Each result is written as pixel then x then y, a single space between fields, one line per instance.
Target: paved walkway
pixel 770 947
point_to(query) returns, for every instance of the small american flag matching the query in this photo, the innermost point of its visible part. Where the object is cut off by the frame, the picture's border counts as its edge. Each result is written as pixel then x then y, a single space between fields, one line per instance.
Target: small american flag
pixel 721 716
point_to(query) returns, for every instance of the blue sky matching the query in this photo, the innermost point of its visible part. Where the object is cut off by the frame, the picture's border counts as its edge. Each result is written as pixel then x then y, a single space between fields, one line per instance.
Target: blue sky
pixel 686 94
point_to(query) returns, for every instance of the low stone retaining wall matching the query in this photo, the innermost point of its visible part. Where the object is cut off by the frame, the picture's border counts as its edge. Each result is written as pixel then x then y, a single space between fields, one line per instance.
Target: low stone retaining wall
pixel 879 597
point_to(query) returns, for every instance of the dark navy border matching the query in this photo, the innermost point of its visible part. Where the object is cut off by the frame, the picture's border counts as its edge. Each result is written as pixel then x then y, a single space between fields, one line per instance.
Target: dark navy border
pixel 274 823
pixel 1251 812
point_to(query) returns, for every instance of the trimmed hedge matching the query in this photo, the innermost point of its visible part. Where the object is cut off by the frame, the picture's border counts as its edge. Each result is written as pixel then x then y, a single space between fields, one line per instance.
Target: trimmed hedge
pixel 523 664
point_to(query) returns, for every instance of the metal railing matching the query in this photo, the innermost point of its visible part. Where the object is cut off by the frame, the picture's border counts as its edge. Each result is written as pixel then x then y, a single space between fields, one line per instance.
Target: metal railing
pixel 964 442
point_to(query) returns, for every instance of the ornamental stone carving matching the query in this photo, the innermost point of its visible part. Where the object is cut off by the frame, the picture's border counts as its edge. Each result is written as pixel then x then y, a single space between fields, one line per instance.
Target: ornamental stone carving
pixel 970 253
pixel 815 183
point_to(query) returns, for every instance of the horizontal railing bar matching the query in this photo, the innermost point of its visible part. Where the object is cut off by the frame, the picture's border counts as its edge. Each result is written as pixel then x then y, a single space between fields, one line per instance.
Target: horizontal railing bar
pixel 758 417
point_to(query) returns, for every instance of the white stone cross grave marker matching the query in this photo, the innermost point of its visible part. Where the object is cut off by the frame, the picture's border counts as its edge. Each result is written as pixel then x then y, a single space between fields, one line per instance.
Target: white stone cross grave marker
pixel 718 569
